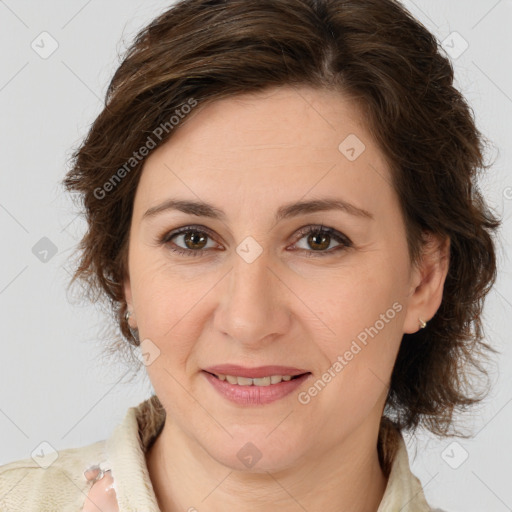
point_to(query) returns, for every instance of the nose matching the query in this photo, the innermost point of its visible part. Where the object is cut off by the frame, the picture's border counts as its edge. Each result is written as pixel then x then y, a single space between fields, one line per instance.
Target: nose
pixel 253 308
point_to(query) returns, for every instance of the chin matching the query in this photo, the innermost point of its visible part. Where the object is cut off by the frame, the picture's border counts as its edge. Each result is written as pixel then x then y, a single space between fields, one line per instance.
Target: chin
pixel 257 453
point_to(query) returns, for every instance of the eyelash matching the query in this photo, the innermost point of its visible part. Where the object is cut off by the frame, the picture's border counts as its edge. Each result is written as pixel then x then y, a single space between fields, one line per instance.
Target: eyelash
pixel 346 243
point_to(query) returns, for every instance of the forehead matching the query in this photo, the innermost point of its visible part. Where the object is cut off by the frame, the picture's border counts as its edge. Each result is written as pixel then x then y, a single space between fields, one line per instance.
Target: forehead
pixel 282 141
pixel 276 118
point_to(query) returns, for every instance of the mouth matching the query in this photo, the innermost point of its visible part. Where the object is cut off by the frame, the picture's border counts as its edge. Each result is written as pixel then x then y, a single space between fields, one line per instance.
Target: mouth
pixel 268 380
pixel 256 386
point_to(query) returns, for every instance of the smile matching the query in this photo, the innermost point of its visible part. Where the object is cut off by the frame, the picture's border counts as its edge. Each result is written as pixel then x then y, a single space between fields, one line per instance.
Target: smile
pixel 262 381
pixel 254 391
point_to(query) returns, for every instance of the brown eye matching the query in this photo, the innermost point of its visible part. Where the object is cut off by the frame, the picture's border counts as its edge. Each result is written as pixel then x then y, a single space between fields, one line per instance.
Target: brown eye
pixel 195 239
pixel 188 241
pixel 319 239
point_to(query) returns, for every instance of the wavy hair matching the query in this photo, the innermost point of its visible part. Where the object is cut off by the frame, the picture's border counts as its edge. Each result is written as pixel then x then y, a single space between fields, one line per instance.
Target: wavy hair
pixel 373 51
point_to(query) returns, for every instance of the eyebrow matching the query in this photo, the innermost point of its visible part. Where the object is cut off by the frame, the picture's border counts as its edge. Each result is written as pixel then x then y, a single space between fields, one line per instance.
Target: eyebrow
pixel 202 209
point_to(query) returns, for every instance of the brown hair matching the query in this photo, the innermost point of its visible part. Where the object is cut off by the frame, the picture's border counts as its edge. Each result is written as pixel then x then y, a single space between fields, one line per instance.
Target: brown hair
pixel 374 51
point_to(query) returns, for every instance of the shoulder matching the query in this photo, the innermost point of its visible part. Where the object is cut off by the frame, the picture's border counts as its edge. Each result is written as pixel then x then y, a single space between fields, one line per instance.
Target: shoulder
pixel 63 483
pixel 49 482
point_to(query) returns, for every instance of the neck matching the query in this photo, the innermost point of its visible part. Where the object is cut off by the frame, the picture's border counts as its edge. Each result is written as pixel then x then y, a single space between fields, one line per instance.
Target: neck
pixel 345 479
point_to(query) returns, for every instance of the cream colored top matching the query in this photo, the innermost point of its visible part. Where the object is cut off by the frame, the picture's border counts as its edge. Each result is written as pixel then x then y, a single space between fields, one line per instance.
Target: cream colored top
pixel 26 486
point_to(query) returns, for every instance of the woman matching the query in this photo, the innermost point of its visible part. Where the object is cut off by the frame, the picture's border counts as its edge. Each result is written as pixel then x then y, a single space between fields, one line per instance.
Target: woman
pixel 283 213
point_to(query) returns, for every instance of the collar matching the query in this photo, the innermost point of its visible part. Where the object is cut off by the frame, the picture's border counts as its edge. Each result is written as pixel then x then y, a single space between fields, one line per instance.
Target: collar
pixel 132 438
pixel 403 492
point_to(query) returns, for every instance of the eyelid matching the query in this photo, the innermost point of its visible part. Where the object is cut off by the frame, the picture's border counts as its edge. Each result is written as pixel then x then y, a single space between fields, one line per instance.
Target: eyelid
pixel 343 240
pixel 167 235
pixel 320 228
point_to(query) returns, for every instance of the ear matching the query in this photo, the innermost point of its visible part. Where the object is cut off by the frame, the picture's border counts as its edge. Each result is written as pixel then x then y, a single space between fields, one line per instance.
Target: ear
pixel 427 282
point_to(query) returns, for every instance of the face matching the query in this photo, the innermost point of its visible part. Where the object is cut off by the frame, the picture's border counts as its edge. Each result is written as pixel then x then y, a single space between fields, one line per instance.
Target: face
pixel 255 282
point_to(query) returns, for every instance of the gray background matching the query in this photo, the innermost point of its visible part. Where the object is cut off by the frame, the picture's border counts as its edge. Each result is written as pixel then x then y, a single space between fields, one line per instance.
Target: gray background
pixel 55 386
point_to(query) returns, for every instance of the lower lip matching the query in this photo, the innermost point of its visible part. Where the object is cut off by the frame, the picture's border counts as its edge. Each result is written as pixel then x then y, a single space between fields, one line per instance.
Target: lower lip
pixel 255 395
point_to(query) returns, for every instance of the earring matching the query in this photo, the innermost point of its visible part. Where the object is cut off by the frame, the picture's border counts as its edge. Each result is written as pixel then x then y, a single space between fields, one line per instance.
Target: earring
pixel 135 341
pixel 423 324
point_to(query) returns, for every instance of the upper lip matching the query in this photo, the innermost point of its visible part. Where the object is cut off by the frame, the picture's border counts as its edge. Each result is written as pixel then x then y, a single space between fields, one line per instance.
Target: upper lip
pixel 254 373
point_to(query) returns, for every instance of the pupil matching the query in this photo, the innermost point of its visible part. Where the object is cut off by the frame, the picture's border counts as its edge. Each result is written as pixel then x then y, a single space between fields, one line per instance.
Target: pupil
pixel 312 239
pixel 194 239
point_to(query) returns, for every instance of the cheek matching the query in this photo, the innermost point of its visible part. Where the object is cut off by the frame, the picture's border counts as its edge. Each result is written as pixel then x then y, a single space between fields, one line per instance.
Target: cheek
pixel 359 333
pixel 162 292
pixel 164 304
pixel 349 300
pixel 174 302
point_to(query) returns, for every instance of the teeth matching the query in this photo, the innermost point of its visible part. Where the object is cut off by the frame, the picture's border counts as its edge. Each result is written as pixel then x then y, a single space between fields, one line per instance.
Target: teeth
pixel 243 381
pixel 246 381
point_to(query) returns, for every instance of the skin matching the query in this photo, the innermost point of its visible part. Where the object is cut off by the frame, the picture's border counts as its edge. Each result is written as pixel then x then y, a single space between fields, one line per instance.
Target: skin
pixel 249 155
pixel 101 496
